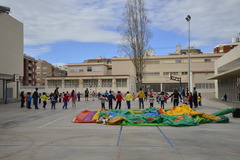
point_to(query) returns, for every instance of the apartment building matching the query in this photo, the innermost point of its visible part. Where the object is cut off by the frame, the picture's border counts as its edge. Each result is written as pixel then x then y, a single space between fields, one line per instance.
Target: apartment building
pixel 29 68
pixel 226 47
pixel 43 70
pixel 11 55
pixel 227 74
pixel 118 73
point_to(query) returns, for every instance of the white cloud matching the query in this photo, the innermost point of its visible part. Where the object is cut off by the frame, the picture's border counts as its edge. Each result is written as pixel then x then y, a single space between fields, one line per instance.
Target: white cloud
pixel 51 21
pixel 45 21
pixel 36 51
pixel 214 21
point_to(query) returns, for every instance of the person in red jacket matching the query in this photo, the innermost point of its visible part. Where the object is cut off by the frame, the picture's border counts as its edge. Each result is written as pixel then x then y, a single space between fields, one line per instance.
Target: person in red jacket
pixel 119 99
pixel 65 101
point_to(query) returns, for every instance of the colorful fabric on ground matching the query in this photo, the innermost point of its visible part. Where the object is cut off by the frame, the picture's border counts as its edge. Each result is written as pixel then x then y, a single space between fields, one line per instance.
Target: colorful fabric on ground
pixel 176 116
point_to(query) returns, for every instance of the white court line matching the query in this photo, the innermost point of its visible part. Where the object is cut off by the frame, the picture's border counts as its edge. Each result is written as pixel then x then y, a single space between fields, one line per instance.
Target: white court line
pixel 20 118
pixel 55 120
pixel 82 109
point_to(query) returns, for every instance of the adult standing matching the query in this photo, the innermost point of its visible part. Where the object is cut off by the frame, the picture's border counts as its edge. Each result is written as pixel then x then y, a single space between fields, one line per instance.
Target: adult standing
pixel 35 98
pixel 86 94
pixel 74 98
pixel 56 93
pixel 195 97
pixel 140 97
pixel 176 95
pixel 110 98
pixel 22 99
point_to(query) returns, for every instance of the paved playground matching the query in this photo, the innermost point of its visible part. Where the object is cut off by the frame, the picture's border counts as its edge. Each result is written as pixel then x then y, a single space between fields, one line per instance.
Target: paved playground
pixel 49 134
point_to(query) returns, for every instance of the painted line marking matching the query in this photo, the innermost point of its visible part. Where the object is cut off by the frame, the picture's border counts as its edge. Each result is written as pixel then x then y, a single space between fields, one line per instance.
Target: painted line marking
pixel 55 120
pixel 164 135
pixel 119 136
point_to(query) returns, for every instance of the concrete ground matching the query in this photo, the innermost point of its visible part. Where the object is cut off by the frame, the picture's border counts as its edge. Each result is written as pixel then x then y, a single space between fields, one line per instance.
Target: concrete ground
pixel 49 134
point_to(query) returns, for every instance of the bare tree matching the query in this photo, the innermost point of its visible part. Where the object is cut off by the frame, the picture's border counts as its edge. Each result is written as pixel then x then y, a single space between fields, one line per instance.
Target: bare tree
pixel 135 35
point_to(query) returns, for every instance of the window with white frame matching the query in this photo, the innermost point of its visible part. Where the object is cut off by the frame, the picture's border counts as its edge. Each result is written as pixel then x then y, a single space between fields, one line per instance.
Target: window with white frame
pixel 87 83
pixel 121 82
pixel 76 69
pixel 106 83
pixel 71 83
pixel 44 67
pixel 54 83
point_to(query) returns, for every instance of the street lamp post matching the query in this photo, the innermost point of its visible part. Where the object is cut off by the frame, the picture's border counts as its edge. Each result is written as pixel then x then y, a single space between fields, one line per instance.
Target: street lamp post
pixel 188 18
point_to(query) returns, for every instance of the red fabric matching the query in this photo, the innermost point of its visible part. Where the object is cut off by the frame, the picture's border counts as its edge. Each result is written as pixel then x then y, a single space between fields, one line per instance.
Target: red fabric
pixel 65 99
pixel 82 117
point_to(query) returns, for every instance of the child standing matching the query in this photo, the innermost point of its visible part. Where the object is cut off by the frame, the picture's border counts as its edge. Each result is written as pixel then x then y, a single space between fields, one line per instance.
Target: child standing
pixel 199 99
pixel 44 98
pixel 65 101
pixel 79 96
pixel 128 98
pixel 74 98
pixel 190 100
pixel 29 100
pixel 53 100
pixel 151 101
pixel 103 100
pixel 119 99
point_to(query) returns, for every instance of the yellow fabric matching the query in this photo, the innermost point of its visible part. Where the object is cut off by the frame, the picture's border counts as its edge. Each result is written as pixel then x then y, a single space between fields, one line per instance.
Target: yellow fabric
pixel 116 120
pixel 141 94
pixel 128 97
pixel 44 98
pixel 179 110
pixel 95 117
pixel 211 117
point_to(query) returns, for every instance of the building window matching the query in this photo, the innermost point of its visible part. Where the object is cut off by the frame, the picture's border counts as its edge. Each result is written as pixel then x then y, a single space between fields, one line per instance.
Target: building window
pixel 152 62
pixel 207 60
pixel 88 83
pixel 121 82
pixel 45 73
pixel 178 61
pixel 89 69
pixel 151 73
pixel 71 83
pixel 205 85
pixel 38 72
pixel 44 67
pixel 76 69
pixel 166 73
pixel 54 83
pixel 38 67
pixel 106 83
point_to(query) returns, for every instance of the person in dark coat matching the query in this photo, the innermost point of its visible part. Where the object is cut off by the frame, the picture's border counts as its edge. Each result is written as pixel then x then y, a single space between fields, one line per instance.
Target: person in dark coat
pixel 195 97
pixel 110 98
pixel 22 99
pixel 176 95
pixel 35 98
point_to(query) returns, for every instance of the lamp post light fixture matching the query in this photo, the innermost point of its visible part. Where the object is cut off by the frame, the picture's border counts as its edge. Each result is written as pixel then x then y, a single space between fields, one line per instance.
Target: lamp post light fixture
pixel 188 18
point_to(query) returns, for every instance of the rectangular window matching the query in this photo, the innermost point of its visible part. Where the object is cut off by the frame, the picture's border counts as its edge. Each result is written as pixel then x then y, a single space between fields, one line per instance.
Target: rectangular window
pixel 151 73
pixel 207 60
pixel 106 83
pixel 76 69
pixel 121 82
pixel 44 67
pixel 178 61
pixel 152 62
pixel 44 73
pixel 89 69
pixel 71 83
pixel 54 83
pixel 38 72
pixel 166 73
pixel 205 85
pixel 87 83
pixel 38 67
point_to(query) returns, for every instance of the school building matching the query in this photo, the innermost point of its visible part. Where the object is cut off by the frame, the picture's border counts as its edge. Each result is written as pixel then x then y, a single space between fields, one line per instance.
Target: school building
pixel 227 74
pixel 11 55
pixel 118 73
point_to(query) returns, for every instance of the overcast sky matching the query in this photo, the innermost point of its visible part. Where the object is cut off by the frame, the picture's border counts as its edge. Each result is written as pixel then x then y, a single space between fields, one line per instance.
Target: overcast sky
pixel 71 31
